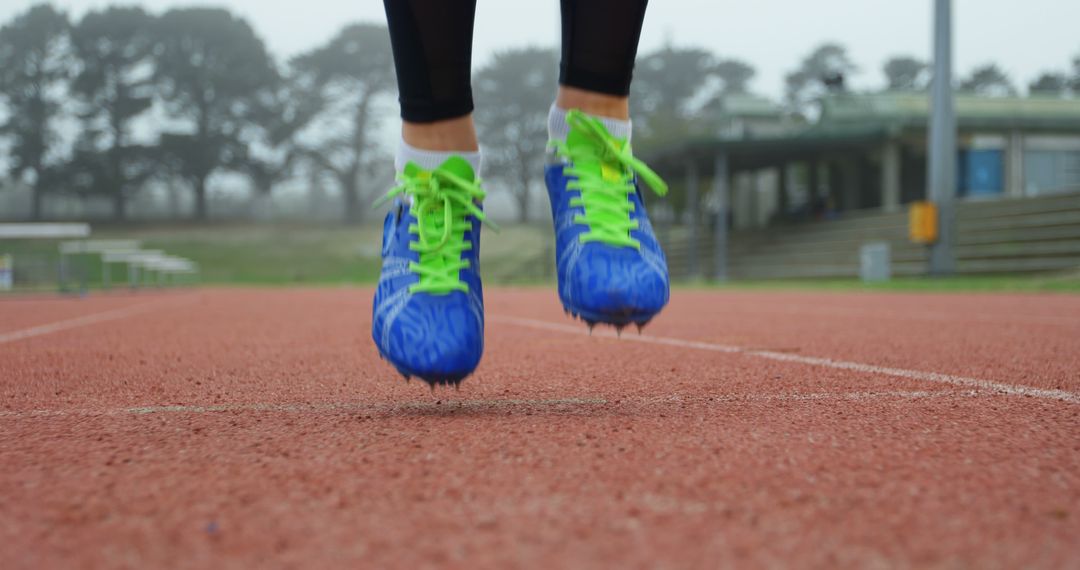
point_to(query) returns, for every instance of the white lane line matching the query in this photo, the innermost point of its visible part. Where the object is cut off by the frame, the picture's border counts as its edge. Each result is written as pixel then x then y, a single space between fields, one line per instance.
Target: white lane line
pixel 858 396
pixel 863 313
pixel 938 378
pixel 452 405
pixel 85 320
pixel 818 396
pixel 448 405
pixel 445 406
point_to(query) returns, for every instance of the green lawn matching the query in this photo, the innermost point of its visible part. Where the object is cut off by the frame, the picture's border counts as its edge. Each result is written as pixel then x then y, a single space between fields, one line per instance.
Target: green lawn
pixel 281 254
pixel 977 283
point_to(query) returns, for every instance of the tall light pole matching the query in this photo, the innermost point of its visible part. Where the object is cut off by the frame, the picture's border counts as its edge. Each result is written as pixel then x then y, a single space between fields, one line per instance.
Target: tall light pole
pixel 941 172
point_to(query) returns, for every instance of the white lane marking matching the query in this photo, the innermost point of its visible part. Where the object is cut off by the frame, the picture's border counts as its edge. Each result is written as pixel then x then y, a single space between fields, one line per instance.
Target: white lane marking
pixel 818 396
pixel 451 405
pixel 858 396
pixel 447 406
pixel 860 312
pixel 85 320
pixel 973 383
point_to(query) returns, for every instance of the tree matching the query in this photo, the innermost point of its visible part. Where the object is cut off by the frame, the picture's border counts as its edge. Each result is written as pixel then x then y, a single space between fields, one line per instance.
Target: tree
pixel 824 70
pixel 270 155
pixel 1075 81
pixel 1050 84
pixel 35 66
pixel 673 89
pixel 90 172
pixel 988 81
pixel 906 73
pixel 513 93
pixel 729 77
pixel 735 76
pixel 114 86
pixel 680 92
pixel 670 78
pixel 210 68
pixel 346 79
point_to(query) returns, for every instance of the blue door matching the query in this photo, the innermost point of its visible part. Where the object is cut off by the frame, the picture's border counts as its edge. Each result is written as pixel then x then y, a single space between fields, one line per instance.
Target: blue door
pixel 983 173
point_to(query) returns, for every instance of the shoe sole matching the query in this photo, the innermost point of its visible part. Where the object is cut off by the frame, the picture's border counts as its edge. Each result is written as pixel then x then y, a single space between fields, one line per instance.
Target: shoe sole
pixel 619 321
pixel 432 380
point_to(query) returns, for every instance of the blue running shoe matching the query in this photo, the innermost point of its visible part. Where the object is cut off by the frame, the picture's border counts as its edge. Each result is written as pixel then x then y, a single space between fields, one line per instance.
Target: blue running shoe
pixel 428 315
pixel 610 266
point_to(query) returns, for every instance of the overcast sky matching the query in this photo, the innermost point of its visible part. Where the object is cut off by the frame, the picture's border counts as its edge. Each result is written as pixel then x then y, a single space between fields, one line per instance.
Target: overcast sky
pixel 1023 36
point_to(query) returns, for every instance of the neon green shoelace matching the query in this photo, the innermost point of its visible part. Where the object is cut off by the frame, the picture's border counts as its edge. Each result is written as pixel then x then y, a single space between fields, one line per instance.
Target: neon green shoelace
pixel 605 168
pixel 442 201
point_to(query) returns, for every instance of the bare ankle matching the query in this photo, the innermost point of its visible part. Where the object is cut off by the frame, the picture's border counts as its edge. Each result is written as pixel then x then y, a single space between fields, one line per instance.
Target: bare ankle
pixel 457 134
pixel 593 103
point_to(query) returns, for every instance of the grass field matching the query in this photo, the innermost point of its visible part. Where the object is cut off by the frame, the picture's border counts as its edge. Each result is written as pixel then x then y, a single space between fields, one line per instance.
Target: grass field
pixel 270 255
pixel 988 283
pixel 247 254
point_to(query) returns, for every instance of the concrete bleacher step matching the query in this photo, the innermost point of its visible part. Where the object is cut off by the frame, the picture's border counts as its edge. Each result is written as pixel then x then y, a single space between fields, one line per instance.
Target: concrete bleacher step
pixel 1017 206
pixel 912 265
pixel 1030 220
pixel 824 230
pixel 898 241
pixel 1020 235
pixel 840 270
pixel 1069 248
pixel 1030 234
pixel 1016 265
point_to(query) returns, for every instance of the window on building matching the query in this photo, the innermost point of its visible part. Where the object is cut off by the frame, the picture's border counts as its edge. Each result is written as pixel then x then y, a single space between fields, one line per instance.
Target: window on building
pixel 1051 165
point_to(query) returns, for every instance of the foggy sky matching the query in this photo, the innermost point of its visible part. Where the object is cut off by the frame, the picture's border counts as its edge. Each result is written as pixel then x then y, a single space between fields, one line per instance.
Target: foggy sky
pixel 1024 37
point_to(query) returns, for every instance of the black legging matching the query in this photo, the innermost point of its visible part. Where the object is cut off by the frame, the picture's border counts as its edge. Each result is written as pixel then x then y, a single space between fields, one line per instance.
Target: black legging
pixel 432 42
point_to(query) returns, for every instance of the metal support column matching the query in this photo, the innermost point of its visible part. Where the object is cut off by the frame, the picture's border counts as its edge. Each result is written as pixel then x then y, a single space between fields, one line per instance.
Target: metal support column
pixel 1014 165
pixel 941 173
pixel 890 176
pixel 63 271
pixel 783 199
pixel 693 203
pixel 720 233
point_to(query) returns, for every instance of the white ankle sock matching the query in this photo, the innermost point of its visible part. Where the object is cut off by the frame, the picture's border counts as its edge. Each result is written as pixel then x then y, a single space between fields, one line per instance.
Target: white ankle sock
pixel 558 128
pixel 431 159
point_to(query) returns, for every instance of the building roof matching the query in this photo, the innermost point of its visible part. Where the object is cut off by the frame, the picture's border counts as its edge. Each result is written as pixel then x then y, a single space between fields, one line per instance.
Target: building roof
pixel 852 121
pixel 750 105
pixel 745 154
pixel 907 110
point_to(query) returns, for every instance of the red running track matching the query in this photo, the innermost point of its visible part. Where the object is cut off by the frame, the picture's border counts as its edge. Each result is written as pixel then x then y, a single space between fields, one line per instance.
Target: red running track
pixel 258 428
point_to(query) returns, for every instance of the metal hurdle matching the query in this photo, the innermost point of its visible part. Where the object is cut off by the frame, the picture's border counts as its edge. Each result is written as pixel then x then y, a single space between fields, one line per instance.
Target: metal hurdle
pixel 99 247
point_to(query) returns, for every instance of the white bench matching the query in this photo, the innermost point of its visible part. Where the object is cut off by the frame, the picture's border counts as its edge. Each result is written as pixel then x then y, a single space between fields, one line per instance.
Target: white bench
pixel 99 247
pixel 36 230
pixel 146 261
pixel 141 263
pixel 44 231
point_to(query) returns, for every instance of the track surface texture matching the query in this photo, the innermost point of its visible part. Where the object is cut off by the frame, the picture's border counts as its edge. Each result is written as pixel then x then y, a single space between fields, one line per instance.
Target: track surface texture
pixel 229 428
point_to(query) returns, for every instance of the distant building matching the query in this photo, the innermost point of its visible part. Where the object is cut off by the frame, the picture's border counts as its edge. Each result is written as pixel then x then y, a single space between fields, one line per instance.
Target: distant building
pixel 868 151
pixel 747 116
pixel 1007 146
pixel 864 159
